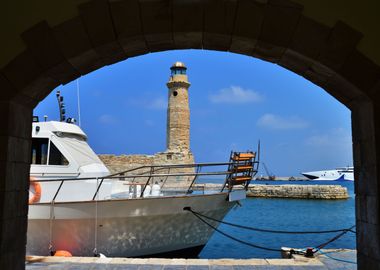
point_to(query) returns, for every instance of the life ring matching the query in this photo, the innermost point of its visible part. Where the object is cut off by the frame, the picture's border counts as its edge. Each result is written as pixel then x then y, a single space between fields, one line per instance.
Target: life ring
pixel 35 189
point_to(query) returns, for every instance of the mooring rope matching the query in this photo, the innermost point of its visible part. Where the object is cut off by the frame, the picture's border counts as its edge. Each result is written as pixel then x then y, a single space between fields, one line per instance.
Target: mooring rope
pixel 51 248
pixel 334 238
pixel 234 238
pixel 271 231
pixel 318 248
pixel 95 251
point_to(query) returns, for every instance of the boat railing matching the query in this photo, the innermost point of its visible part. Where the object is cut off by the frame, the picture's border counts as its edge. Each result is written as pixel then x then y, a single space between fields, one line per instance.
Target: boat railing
pixel 147 175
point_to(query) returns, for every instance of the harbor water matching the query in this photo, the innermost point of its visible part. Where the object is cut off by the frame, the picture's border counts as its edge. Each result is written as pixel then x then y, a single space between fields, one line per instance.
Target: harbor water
pixel 284 214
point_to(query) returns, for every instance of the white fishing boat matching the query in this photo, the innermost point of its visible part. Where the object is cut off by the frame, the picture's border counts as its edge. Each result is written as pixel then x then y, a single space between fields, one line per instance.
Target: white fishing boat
pixel 76 205
pixel 339 174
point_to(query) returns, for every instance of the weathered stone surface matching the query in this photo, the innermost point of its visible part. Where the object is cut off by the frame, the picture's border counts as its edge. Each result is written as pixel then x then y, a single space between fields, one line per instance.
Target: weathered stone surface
pixel 341 41
pixel 97 20
pixel 361 71
pixel 326 192
pixel 123 163
pixel 309 37
pixel 248 22
pixel 13 185
pixel 157 26
pixel 278 26
pixel 128 27
pixel 75 44
pixel 219 16
pixel 187 24
pixel 46 52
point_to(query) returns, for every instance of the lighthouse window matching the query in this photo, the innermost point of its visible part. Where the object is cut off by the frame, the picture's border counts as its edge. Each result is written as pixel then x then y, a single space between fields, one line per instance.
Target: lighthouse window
pixel 39 150
pixel 175 93
pixel 56 157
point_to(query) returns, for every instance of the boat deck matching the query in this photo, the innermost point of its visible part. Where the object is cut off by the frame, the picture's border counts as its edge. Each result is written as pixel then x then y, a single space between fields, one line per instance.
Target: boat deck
pixel 320 262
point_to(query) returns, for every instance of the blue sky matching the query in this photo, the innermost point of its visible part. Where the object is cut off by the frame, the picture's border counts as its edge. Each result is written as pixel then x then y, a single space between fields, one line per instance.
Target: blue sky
pixel 235 100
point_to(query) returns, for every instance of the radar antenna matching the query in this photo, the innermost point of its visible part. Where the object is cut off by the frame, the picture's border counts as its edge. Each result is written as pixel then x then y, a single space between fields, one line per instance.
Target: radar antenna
pixel 61 107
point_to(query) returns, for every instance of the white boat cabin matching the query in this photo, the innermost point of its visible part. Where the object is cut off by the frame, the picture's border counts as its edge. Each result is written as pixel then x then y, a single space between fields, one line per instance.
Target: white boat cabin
pixel 60 151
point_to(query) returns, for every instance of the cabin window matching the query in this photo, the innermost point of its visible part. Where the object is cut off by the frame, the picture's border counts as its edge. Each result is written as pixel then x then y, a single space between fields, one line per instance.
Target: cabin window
pixel 39 150
pixel 56 157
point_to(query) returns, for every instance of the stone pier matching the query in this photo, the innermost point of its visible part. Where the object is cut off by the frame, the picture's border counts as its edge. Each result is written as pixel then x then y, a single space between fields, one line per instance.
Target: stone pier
pixel 325 192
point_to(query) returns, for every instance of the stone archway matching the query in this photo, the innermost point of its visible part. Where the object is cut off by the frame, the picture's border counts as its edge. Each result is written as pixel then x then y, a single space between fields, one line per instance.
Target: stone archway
pixel 106 32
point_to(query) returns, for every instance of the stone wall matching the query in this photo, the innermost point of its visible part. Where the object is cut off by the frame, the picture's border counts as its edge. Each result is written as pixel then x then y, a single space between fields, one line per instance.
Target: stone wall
pixel 332 192
pixel 122 163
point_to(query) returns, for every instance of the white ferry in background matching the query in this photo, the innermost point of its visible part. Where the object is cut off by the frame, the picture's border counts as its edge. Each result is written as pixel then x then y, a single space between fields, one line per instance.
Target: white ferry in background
pixel 339 174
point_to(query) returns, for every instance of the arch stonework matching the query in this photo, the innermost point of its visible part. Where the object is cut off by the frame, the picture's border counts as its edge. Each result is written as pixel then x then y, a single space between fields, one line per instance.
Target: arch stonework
pixel 105 32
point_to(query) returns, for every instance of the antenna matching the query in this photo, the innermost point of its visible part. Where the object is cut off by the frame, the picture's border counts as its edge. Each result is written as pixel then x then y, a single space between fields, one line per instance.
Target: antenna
pixel 61 107
pixel 78 102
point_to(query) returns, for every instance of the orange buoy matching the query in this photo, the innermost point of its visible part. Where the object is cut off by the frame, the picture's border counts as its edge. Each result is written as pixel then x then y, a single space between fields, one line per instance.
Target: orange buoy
pixel 62 253
pixel 35 189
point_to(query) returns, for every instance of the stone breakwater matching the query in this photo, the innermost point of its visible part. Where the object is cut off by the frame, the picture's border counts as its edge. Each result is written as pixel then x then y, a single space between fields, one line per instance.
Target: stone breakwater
pixel 325 192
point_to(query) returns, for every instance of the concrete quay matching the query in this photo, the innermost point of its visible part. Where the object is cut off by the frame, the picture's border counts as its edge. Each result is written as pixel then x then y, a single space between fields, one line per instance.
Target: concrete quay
pixel 319 262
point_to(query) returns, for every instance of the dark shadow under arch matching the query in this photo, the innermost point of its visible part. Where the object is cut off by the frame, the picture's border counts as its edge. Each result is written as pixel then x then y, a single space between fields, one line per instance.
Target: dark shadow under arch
pixel 106 32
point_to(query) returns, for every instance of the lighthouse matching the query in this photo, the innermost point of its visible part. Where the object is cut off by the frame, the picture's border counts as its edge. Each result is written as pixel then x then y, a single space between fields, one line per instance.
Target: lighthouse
pixel 178 112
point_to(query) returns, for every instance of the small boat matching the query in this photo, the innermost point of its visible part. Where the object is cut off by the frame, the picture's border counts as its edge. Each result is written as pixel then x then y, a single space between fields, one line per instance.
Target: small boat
pixel 76 205
pixel 339 174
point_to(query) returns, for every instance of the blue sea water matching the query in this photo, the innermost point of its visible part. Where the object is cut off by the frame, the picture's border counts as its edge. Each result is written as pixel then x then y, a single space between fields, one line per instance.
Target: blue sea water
pixel 284 214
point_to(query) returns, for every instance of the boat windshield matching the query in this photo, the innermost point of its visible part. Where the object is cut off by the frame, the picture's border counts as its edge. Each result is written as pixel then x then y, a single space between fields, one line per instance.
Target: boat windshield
pixel 78 148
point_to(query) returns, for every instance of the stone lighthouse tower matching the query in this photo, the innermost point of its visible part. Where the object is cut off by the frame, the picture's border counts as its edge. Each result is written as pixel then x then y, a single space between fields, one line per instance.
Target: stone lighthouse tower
pixel 178 115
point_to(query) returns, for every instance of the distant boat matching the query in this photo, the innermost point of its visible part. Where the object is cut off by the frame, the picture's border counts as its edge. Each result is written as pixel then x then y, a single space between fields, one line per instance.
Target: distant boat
pixel 339 174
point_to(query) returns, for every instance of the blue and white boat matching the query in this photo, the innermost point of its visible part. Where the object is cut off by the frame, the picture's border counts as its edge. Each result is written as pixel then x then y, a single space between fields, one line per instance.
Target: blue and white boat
pixel 339 174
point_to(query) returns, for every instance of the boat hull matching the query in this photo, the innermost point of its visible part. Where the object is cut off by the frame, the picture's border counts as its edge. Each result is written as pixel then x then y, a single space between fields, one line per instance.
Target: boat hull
pixel 124 228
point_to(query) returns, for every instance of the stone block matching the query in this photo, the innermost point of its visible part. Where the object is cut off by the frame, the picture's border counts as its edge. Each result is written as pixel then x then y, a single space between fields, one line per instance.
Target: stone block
pixel 366 262
pixel 28 78
pixel 98 23
pixel 156 16
pixel 295 62
pixel 342 90
pixel 280 21
pixel 268 52
pixel 128 26
pixel 309 37
pixel 14 203
pixel 22 70
pixel 41 42
pixel 318 74
pixel 367 209
pixel 362 117
pixel 16 120
pixel 367 237
pixel 247 26
pixel 361 71
pixel 14 96
pixel 341 42
pixel 11 259
pixel 7 91
pixel 367 183
pixel 219 17
pixel 188 24
pixel 13 149
pixel 13 235
pixel 14 175
pixel 74 43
